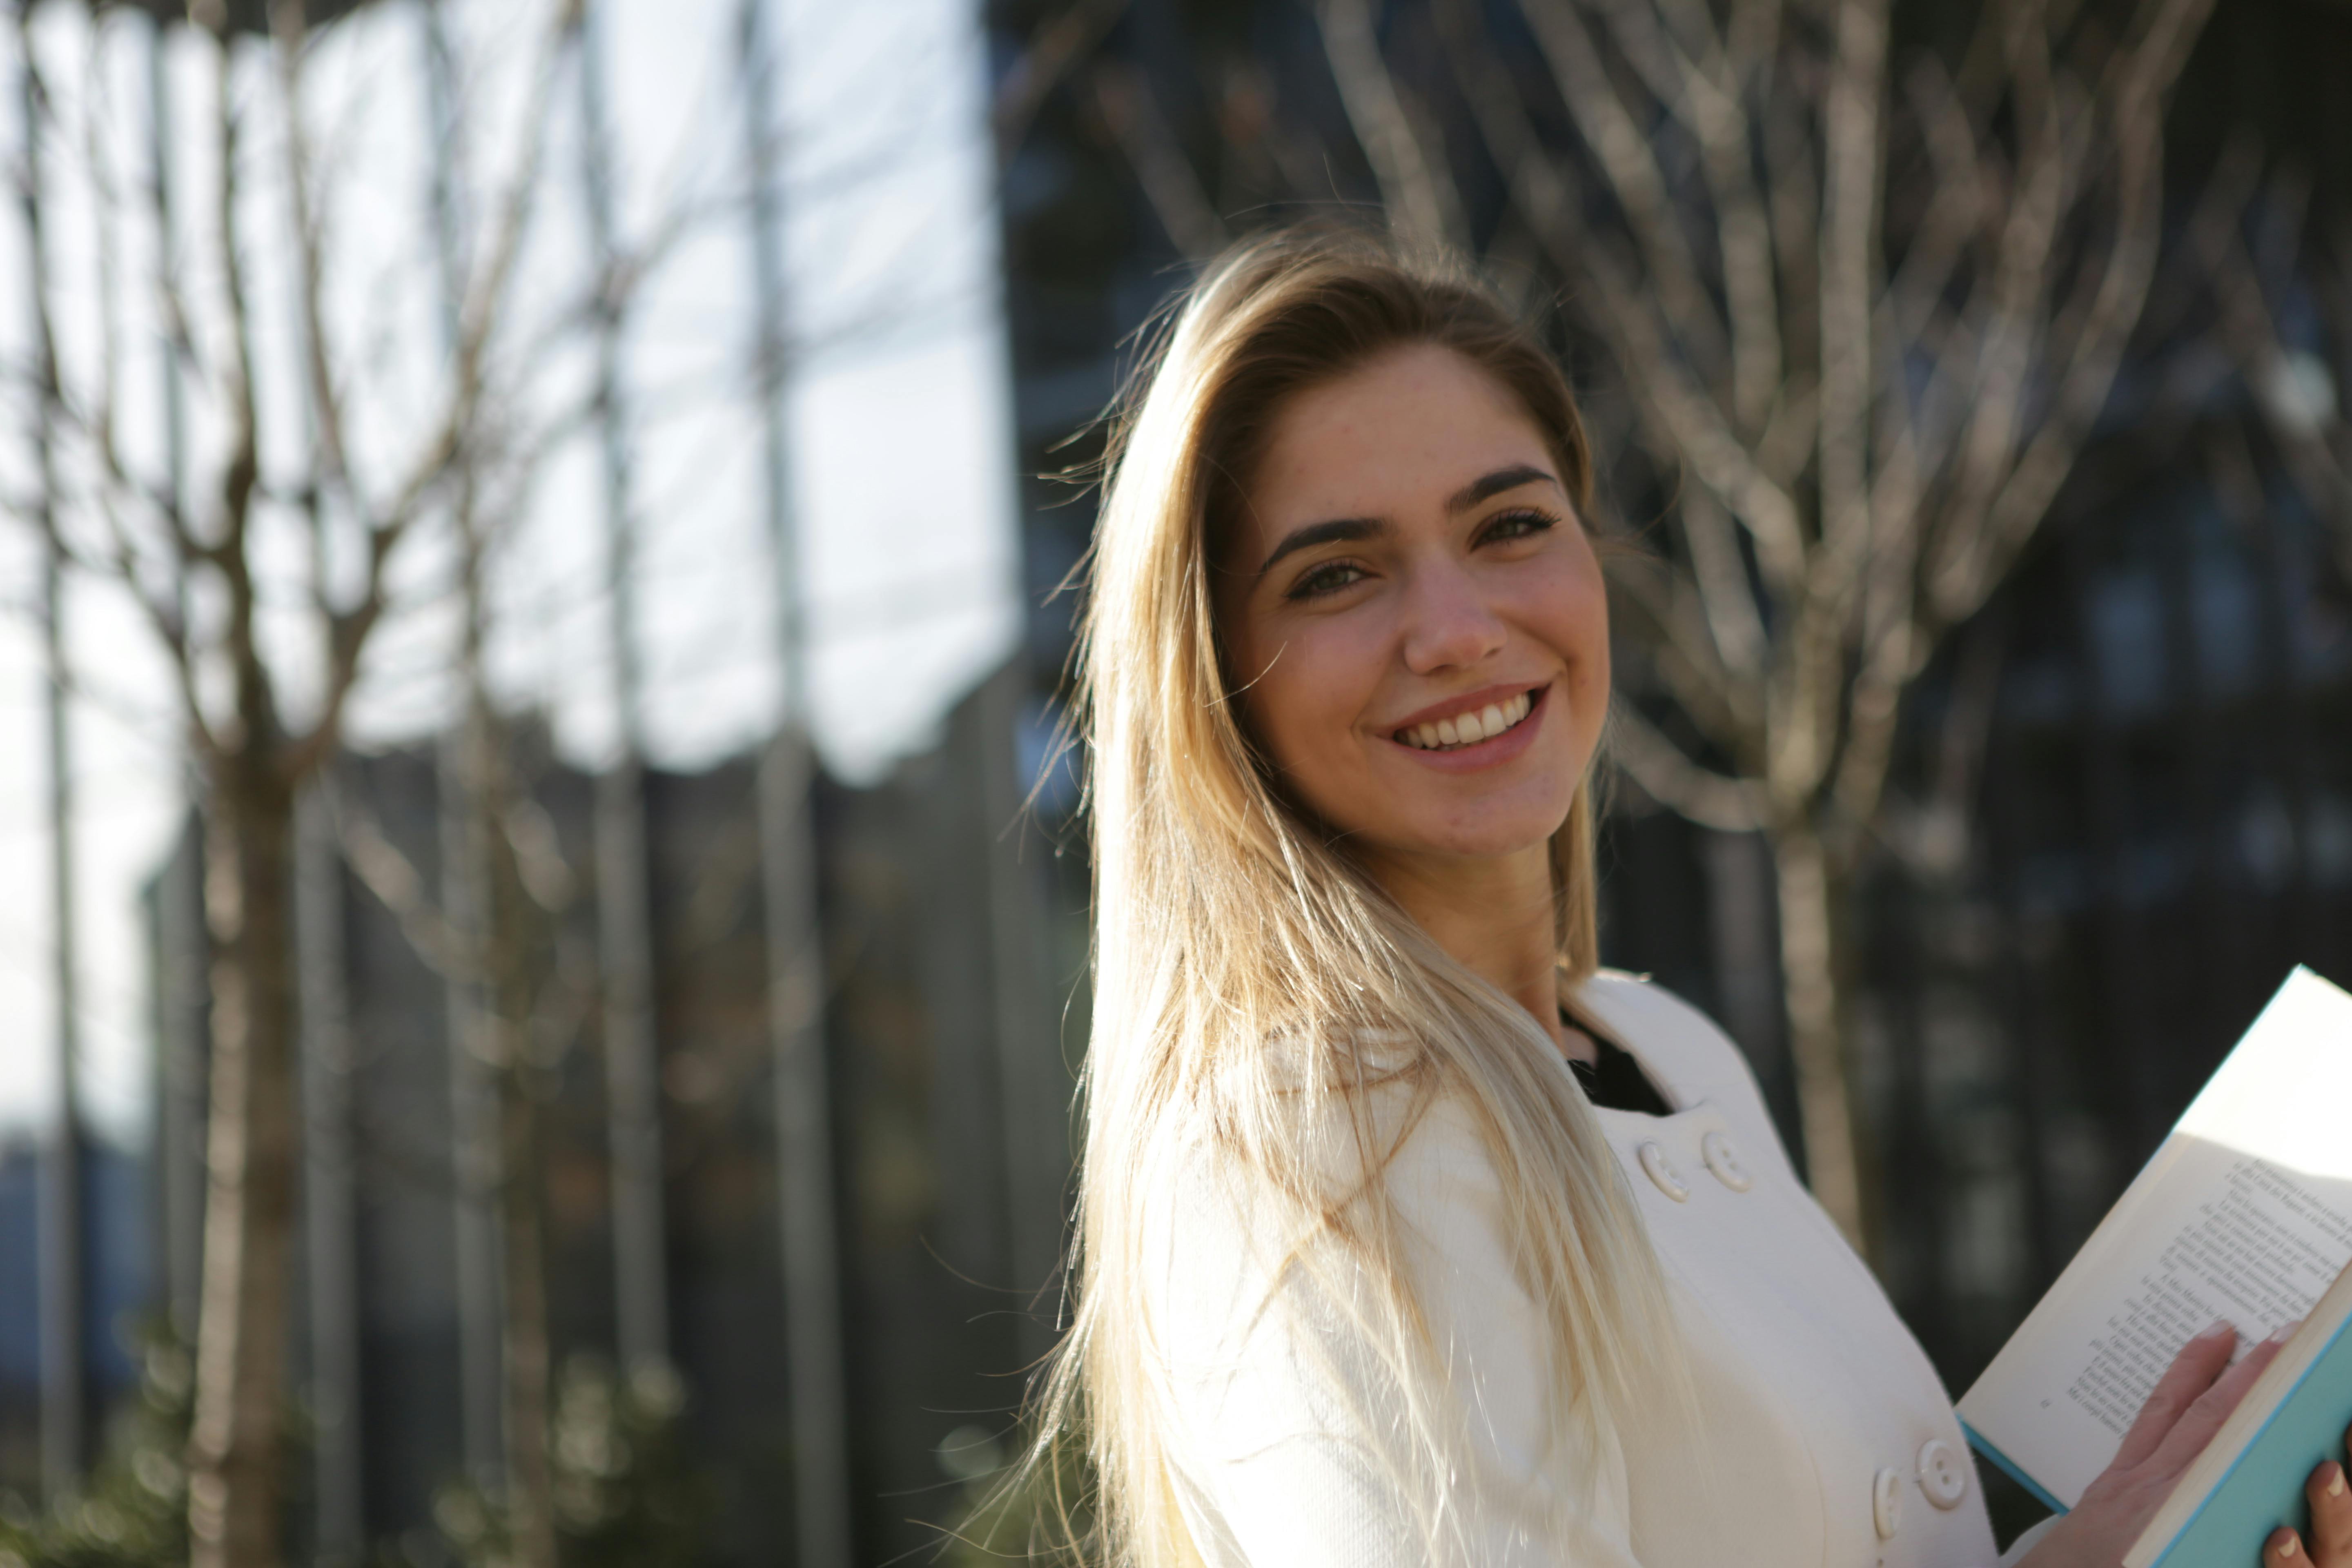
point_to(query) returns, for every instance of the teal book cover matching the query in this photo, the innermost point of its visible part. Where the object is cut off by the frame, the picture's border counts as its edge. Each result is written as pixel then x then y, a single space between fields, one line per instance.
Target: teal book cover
pixel 2011 1468
pixel 2263 1487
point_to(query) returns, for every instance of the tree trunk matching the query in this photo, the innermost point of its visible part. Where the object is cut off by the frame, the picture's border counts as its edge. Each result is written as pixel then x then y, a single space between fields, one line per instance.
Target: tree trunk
pixel 531 1486
pixel 236 1463
pixel 1812 976
pixel 508 949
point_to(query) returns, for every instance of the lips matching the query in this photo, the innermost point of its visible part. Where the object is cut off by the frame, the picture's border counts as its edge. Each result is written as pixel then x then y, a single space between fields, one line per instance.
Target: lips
pixel 1469 727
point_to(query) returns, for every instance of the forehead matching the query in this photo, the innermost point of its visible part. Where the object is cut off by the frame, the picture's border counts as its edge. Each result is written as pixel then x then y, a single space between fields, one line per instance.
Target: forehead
pixel 1391 439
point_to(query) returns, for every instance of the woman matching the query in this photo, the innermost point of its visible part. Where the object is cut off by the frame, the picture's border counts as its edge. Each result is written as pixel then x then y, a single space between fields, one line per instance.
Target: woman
pixel 1406 1235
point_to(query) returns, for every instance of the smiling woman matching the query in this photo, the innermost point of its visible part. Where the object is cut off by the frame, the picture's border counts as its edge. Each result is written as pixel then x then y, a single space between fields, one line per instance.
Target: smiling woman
pixel 1432 670
pixel 1406 1235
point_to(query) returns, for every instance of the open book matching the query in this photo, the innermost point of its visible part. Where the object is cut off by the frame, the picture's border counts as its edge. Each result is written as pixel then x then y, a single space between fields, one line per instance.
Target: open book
pixel 2245 1213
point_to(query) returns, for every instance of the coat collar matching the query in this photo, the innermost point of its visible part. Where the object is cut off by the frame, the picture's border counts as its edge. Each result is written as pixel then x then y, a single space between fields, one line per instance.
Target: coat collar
pixel 1648 1023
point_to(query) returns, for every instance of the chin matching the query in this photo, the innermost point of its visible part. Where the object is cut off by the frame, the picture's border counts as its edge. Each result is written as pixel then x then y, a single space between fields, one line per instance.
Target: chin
pixel 1492 849
pixel 1497 839
pixel 1502 826
pixel 1455 819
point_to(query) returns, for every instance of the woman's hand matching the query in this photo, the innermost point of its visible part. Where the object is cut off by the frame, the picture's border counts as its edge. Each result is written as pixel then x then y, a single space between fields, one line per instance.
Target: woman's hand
pixel 2331 1526
pixel 2191 1400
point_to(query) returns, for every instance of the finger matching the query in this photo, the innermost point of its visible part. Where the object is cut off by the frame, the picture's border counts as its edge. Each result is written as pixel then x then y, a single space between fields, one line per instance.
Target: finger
pixel 2209 1409
pixel 2331 1514
pixel 2193 1372
pixel 2284 1547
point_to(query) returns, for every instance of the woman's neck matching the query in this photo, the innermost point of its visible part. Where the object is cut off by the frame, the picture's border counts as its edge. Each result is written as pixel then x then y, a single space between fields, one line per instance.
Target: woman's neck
pixel 1496 917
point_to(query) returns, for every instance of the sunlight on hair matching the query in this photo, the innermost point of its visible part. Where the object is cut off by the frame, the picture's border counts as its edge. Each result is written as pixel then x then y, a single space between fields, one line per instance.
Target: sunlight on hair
pixel 1269 1026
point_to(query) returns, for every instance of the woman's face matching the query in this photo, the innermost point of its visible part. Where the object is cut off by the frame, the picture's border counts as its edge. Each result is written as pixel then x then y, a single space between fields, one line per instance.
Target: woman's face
pixel 1417 615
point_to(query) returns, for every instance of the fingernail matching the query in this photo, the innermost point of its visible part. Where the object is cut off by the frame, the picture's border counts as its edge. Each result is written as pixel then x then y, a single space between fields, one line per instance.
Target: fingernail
pixel 2289 1547
pixel 2336 1484
pixel 2220 1326
pixel 2284 1333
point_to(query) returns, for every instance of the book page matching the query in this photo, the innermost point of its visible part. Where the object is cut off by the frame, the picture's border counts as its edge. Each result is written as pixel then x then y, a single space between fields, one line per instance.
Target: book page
pixel 2245 1214
pixel 2259 1253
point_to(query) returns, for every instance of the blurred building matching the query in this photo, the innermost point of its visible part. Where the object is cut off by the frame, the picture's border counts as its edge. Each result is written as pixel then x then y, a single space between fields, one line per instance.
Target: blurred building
pixel 2155 717
pixel 946 1102
pixel 117 1294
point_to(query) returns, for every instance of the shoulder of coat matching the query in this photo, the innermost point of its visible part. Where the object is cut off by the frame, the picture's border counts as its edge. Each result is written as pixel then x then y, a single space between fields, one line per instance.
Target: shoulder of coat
pixel 1668 1033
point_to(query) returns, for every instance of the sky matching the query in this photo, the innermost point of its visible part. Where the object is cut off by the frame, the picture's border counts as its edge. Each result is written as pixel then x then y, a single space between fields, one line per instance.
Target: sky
pixel 898 397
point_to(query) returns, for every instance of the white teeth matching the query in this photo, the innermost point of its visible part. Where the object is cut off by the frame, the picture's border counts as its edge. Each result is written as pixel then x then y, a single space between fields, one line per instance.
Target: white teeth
pixel 1468 729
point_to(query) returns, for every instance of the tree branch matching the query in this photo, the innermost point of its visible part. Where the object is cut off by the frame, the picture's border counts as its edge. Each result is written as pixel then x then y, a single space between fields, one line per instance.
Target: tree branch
pixel 1064 39
pixel 400 888
pixel 1674 781
pixel 2299 418
pixel 1627 159
pixel 2136 85
pixel 1129 107
pixel 1415 188
pixel 348 632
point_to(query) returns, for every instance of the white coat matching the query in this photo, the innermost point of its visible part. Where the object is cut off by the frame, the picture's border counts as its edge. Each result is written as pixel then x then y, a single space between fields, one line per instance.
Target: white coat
pixel 1824 1440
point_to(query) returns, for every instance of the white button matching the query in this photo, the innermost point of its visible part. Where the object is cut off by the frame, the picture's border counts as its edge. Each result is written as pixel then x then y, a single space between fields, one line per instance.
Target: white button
pixel 1941 1475
pixel 1724 1160
pixel 1887 1503
pixel 1661 1171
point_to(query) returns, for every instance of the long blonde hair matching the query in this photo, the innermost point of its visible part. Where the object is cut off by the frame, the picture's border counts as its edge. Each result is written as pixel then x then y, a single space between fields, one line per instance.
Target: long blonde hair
pixel 1246 965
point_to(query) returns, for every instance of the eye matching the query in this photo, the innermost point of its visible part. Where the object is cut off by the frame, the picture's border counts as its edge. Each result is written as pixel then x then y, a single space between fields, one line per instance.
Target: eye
pixel 1328 577
pixel 1524 523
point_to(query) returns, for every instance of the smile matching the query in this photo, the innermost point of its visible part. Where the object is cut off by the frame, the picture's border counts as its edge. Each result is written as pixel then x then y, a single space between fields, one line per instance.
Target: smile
pixel 1470 727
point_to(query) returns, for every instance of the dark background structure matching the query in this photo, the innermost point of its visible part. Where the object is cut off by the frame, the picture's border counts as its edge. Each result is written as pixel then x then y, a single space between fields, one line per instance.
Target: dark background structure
pixel 942 1320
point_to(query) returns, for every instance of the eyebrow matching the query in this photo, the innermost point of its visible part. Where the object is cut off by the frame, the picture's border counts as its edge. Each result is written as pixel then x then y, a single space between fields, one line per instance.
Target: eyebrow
pixel 1336 530
pixel 1495 484
pixel 1346 529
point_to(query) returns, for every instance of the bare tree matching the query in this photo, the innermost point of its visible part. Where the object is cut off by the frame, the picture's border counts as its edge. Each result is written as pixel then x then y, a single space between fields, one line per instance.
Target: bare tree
pixel 2298 380
pixel 62 1266
pixel 1866 310
pixel 266 568
pixel 203 574
pixel 497 931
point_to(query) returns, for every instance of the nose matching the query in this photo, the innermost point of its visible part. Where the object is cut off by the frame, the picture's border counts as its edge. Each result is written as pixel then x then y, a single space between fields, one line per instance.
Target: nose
pixel 1448 624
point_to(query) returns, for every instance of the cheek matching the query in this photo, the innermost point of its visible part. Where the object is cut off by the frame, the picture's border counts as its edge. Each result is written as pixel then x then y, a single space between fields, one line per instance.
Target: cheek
pixel 1291 708
pixel 1309 689
pixel 1587 637
pixel 1571 611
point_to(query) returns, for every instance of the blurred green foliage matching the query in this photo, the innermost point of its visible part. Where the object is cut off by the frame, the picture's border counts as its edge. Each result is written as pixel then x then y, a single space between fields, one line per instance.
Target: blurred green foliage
pixel 627 1494
pixel 135 1513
